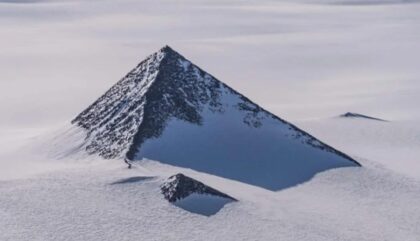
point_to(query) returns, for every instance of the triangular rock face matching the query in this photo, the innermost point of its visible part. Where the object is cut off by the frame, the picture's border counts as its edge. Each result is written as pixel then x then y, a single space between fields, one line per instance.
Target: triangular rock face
pixel 180 186
pixel 168 109
pixel 138 107
pixel 194 196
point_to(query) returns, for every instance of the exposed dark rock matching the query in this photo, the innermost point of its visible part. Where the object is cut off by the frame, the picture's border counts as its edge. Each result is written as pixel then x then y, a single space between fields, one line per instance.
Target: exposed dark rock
pixel 138 107
pixel 165 86
pixel 180 186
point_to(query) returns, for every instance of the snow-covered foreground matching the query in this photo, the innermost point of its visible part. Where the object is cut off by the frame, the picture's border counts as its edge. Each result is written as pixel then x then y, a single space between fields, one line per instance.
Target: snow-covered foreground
pixel 84 204
pixel 103 200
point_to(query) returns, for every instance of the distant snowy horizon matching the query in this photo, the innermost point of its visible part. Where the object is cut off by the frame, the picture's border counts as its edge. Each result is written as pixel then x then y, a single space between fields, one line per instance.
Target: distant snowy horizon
pixel 300 60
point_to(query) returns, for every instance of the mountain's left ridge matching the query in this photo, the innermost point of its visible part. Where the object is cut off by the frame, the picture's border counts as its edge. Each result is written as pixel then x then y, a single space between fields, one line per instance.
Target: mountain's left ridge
pixel 113 119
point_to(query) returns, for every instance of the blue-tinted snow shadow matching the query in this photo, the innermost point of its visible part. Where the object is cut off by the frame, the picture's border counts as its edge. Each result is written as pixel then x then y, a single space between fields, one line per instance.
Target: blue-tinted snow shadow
pixel 206 205
pixel 254 167
pixel 273 156
pixel 132 180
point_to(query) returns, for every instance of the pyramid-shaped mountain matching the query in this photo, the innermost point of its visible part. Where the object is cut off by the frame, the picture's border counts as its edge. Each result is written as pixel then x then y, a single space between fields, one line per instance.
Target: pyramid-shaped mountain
pixel 169 110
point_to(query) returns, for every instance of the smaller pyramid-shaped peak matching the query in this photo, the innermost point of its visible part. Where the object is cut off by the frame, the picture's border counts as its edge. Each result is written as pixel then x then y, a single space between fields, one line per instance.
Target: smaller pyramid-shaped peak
pixel 194 196
pixel 180 186
pixel 357 115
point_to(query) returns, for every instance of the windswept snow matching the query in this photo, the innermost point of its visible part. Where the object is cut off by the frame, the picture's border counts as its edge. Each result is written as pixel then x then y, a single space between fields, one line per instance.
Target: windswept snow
pixel 365 204
pixel 103 200
pixel 20 157
pixel 304 60
pixel 396 144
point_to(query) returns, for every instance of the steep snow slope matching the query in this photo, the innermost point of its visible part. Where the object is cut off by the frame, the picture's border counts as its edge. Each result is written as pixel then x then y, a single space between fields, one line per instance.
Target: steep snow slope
pixel 170 110
pixel 22 153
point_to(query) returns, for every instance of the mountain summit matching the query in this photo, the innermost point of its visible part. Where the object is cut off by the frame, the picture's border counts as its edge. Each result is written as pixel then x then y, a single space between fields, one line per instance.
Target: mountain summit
pixel 169 110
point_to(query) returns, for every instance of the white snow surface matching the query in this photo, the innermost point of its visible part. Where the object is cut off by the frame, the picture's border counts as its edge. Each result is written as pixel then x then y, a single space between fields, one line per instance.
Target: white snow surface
pixel 103 200
pixel 301 59
pixel 395 144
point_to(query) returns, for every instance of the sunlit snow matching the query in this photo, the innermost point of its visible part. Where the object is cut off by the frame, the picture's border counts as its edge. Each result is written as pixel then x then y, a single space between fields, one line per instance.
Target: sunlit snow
pixel 307 61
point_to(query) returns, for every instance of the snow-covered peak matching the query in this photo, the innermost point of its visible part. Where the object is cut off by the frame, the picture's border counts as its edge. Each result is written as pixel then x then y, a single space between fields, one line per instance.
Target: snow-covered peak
pixel 170 110
pixel 167 49
pixel 165 85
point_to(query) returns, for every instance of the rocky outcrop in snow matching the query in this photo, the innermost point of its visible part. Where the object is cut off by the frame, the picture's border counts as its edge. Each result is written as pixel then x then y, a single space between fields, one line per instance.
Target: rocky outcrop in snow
pixel 194 196
pixel 356 115
pixel 179 186
pixel 170 110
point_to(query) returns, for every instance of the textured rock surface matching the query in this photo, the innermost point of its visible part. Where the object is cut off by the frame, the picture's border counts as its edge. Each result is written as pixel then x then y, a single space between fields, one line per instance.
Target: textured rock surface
pixel 180 186
pixel 163 87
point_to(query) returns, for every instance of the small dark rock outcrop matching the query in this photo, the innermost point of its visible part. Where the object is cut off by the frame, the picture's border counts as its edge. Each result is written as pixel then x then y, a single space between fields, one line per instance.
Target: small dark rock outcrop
pixel 180 186
pixel 356 115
